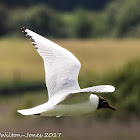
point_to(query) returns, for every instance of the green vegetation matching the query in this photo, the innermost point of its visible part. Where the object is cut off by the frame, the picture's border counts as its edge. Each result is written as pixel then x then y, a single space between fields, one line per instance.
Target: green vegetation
pixel 125 99
pixel 103 62
pixel 127 95
pixel 102 34
pixel 118 19
pixel 40 18
pixel 124 18
pixel 20 61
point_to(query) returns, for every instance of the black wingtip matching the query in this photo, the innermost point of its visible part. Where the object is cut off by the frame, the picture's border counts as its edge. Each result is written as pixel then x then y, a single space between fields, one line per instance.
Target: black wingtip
pixel 23 30
pixel 30 37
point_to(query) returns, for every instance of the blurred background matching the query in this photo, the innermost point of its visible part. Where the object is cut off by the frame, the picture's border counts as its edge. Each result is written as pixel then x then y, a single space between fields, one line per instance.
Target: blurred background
pixel 103 34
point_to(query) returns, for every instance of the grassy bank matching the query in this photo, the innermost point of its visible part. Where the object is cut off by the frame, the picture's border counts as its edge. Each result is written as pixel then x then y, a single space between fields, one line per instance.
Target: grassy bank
pixel 103 62
pixel 19 60
pixel 115 62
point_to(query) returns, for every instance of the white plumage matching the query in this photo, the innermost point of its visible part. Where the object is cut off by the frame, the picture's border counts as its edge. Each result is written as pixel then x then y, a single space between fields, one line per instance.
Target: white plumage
pixel 61 72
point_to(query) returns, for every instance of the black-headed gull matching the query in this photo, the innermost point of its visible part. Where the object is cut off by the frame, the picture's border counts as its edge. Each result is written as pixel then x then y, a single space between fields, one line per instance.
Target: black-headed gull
pixel 65 97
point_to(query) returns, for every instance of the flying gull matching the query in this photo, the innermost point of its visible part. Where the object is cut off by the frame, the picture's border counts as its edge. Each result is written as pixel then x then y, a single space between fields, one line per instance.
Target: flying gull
pixel 65 97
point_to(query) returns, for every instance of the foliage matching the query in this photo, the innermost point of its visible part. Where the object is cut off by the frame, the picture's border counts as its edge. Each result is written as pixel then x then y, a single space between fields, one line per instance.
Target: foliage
pixel 113 21
pixel 83 26
pixel 38 18
pixel 3 20
pixel 22 71
pixel 123 17
pixel 125 99
pixel 127 95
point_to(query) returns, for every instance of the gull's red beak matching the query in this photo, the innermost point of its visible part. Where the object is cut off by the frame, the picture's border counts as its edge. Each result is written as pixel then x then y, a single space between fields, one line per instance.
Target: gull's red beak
pixel 111 107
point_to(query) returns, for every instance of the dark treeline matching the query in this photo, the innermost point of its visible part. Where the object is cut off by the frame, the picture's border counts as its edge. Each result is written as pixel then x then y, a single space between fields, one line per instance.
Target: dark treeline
pixel 62 5
pixel 119 18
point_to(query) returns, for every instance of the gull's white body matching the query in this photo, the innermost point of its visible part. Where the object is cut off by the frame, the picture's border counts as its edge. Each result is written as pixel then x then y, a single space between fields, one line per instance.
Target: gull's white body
pixel 65 97
pixel 74 109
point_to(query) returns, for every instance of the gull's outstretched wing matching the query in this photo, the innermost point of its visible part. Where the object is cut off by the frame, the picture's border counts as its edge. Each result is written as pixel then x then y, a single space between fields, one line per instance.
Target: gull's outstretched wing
pixel 80 95
pixel 97 89
pixel 61 66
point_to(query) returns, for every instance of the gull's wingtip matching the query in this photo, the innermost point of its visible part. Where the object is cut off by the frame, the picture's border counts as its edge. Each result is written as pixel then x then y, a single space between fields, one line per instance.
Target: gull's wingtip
pixel 19 111
pixel 111 88
pixel 23 28
pixel 22 112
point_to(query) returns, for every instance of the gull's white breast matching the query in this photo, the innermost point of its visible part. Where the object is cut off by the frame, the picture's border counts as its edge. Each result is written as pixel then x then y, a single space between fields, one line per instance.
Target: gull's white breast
pixel 74 109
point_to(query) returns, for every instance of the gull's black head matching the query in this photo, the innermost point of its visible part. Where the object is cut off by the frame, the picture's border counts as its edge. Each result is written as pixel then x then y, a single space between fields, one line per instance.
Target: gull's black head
pixel 104 104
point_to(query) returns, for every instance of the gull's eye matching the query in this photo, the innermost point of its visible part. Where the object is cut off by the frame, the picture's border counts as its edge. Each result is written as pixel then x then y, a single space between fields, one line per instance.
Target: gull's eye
pixel 104 102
